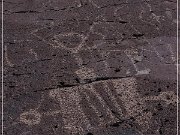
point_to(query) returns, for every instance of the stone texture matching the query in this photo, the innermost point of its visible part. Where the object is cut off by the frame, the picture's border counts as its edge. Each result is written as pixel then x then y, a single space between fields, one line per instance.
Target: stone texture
pixel 90 67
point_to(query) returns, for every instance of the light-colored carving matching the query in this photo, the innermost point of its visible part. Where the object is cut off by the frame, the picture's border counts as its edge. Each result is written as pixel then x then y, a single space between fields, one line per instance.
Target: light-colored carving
pixel 168 97
pixel 102 102
pixel 69 35
pixel 85 73
pixel 169 13
pixel 31 51
pixel 73 118
pixel 134 56
pixel 127 90
pixel 6 57
pixel 30 118
pixel 112 97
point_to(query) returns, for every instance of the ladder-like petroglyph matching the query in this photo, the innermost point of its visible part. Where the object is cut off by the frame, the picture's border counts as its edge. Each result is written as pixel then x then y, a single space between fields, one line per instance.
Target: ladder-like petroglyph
pixel 127 89
pixel 76 119
pixel 102 98
pixel 77 67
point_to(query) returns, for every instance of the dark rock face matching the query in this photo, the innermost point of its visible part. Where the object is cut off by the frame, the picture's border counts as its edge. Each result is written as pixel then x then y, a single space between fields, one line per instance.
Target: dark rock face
pixel 90 67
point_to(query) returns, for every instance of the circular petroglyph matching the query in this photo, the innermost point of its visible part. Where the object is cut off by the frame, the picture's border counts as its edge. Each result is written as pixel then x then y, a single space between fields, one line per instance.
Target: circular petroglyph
pixel 31 117
pixel 69 40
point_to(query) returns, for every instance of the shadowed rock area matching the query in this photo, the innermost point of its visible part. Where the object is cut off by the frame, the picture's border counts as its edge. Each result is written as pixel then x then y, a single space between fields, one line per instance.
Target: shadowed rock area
pixel 90 67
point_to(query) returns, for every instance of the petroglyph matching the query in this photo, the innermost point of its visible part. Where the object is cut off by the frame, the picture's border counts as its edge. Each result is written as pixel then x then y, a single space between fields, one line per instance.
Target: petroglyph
pixel 75 67
pixel 97 32
pixel 108 112
pixel 169 13
pixel 135 57
pixel 169 46
pixel 78 59
pixel 77 121
pixel 168 97
pixel 86 73
pixel 32 117
pixel 127 90
pixel 112 97
pixel 94 4
pixel 52 113
pixel 26 133
pixel 34 53
pixel 9 63
pixel 74 119
pixel 143 72
pixel 69 99
pixel 70 41
pixel 163 47
pixel 106 64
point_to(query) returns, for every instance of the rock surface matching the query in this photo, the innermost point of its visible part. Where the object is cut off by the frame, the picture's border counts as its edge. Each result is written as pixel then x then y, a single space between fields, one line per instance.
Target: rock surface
pixel 90 67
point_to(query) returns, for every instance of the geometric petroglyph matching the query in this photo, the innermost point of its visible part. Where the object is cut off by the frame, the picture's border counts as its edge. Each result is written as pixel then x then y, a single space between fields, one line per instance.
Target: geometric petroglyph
pixel 135 57
pixel 31 117
pixel 91 94
pixel 85 73
pixel 9 63
pixel 127 90
pixel 168 97
pixel 160 47
pixel 76 120
pixel 92 26
pixel 163 47
pixel 73 117
pixel 69 41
